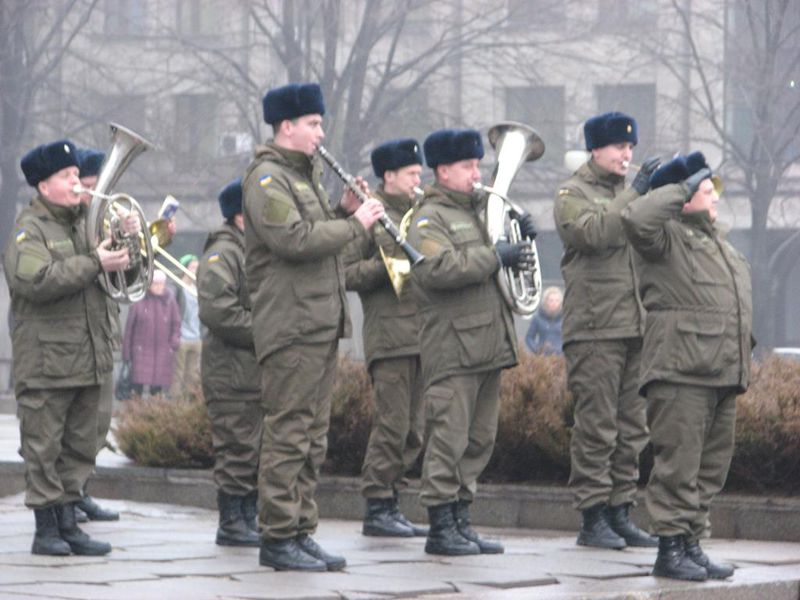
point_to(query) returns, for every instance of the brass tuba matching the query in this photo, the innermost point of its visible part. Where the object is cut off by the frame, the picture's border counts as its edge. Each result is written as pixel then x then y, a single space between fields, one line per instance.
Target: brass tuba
pixel 105 215
pixel 515 144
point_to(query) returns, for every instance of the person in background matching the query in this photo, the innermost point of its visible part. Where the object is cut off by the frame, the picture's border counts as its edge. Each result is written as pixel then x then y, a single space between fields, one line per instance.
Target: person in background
pixel 152 335
pixel 186 377
pixel 544 333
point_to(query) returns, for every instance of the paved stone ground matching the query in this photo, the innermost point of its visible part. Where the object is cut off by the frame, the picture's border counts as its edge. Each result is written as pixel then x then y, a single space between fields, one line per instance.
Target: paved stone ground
pixel 162 551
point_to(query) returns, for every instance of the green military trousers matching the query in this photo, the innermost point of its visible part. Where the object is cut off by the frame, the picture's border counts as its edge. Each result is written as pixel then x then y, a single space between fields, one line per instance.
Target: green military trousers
pixel 104 410
pixel 692 432
pixel 58 434
pixel 236 428
pixel 398 425
pixel 462 412
pixel 610 428
pixel 296 384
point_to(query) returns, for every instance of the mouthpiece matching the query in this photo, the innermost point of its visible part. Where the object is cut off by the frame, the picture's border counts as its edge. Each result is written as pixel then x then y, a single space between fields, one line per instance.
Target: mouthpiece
pixel 626 164
pixel 78 189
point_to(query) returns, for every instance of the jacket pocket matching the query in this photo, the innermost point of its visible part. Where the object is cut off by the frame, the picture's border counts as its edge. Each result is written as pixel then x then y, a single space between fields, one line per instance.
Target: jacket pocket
pixel 477 337
pixel 698 345
pixel 63 352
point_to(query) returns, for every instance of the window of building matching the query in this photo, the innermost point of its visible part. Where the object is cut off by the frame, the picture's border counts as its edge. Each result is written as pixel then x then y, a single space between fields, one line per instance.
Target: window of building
pixel 127 110
pixel 125 17
pixel 195 128
pixel 198 17
pixel 541 107
pixel 536 14
pixel 616 15
pixel 636 100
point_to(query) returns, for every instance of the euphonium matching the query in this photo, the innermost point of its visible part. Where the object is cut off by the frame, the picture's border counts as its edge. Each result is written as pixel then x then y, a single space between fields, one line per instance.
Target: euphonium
pixel 105 215
pixel 515 144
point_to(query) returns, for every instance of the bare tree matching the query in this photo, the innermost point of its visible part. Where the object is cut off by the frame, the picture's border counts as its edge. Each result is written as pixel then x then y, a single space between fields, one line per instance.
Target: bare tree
pixel 35 37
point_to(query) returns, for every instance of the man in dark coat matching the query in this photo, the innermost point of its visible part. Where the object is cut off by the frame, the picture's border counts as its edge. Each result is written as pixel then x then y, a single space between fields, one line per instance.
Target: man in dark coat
pixel 696 289
pixel 602 332
pixel 292 243
pixel 466 337
pixel 61 344
pixel 391 344
pixel 230 373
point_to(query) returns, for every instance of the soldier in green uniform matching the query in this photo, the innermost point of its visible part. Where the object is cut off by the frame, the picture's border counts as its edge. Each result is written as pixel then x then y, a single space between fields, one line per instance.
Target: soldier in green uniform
pixel 391 345
pixel 602 331
pixel 466 337
pixel 89 163
pixel 696 358
pixel 230 374
pixel 292 243
pixel 61 345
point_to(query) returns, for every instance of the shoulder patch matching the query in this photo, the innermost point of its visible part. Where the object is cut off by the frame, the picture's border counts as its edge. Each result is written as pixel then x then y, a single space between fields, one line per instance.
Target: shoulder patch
pixel 21 235
pixel 265 180
pixel 423 222
pixel 301 186
pixel 212 258
pixel 563 192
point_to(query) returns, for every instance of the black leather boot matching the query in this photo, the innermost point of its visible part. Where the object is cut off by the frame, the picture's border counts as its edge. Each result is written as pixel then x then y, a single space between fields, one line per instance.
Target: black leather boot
pixel 250 510
pixel 399 516
pixel 79 542
pixel 47 539
pixel 461 514
pixel 333 562
pixel 287 555
pixel 444 537
pixel 380 521
pixel 95 512
pixel 715 571
pixel 673 562
pixel 233 529
pixel 620 521
pixel 596 530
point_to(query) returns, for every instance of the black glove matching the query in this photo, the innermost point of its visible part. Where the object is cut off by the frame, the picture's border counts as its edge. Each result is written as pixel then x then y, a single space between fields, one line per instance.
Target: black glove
pixel 693 181
pixel 641 183
pixel 517 256
pixel 526 225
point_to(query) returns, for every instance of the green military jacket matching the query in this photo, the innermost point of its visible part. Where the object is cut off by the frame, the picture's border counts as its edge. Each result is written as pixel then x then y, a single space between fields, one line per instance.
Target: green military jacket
pixel 390 323
pixel 697 292
pixel 63 333
pixel 601 299
pixel 465 325
pixel 292 244
pixel 228 365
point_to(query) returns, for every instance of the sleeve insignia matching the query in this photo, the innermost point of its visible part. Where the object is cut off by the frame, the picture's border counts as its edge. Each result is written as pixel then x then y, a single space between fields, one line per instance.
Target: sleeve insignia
pixel 423 222
pixel 21 235
pixel 265 180
pixel 212 258
pixel 563 192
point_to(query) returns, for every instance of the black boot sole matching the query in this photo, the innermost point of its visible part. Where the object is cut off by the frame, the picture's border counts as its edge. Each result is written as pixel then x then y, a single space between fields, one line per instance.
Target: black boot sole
pixel 380 532
pixel 604 545
pixel 43 551
pixel 222 541
pixel 450 551
pixel 681 577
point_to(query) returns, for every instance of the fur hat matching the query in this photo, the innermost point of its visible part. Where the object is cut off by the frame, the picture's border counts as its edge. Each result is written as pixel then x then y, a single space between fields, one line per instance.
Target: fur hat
pixel 230 199
pixel 610 128
pixel 446 146
pixel 396 154
pixel 90 161
pixel 41 162
pixel 678 169
pixel 292 101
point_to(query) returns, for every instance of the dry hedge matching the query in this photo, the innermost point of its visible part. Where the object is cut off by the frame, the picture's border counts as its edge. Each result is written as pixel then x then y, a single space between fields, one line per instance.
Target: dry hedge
pixel 533 430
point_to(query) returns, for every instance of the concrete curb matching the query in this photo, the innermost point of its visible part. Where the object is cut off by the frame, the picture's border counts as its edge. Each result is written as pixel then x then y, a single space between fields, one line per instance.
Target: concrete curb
pixel 525 506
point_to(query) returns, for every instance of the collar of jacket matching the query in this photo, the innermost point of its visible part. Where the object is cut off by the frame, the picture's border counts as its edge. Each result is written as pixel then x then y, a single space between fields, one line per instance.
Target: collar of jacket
pixel 225 232
pixel 396 201
pixel 443 194
pixel 62 214
pixel 298 161
pixel 596 175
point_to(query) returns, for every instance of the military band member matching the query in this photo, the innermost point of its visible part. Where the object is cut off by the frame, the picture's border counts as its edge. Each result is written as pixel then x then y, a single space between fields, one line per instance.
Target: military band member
pixel 696 289
pixel 391 346
pixel 297 288
pixel 61 344
pixel 466 337
pixel 602 331
pixel 230 373
pixel 89 163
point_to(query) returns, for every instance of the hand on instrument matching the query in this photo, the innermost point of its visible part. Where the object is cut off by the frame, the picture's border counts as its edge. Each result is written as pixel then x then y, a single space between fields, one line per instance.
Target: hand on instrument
pixel 526 225
pixel 369 212
pixel 693 181
pixel 112 260
pixel 350 201
pixel 641 183
pixel 517 256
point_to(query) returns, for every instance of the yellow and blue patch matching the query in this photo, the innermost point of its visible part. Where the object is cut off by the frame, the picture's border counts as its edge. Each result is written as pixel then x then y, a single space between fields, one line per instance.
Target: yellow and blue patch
pixel 423 222
pixel 265 180
pixel 212 258
pixel 21 235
